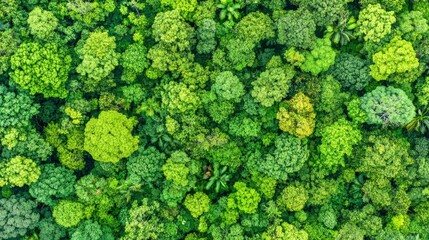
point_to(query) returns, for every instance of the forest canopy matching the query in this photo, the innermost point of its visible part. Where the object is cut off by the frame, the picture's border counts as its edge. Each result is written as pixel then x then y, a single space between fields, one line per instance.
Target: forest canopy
pixel 214 119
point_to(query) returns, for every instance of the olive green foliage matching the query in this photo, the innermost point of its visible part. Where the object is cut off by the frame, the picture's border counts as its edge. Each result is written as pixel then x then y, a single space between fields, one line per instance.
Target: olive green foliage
pixel 297 117
pixel 99 58
pixel 320 58
pixel 292 198
pixel 289 155
pixel 179 98
pixel 108 138
pixel 284 231
pixel 338 140
pixel 42 23
pixel 19 171
pixel 398 56
pixel 228 87
pixel 413 25
pixel 17 216
pixel 41 68
pixel 388 106
pixel 385 156
pixel 272 85
pixel 375 22
pixel 254 27
pixel 296 29
pixel 143 222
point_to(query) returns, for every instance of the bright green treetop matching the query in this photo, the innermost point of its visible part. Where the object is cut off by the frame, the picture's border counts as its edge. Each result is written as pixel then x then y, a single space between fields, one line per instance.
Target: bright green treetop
pixel 320 58
pixel 375 22
pixel 398 56
pixel 108 138
pixel 20 171
pixel 69 213
pixel 245 199
pixel 42 23
pixel 197 203
pixel 98 59
pixel 41 69
pixel 338 140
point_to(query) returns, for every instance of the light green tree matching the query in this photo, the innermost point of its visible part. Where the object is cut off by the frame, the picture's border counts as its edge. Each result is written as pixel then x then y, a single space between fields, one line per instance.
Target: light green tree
pixel 197 203
pixel 374 22
pixel 398 56
pixel 41 68
pixel 98 59
pixel 108 138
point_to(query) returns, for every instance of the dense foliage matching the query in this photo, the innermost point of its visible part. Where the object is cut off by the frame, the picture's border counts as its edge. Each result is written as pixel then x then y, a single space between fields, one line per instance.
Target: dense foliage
pixel 214 119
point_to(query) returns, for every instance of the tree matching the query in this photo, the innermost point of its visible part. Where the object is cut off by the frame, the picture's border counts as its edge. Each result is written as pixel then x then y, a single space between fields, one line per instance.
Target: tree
pixel 228 87
pixel 244 198
pixel 145 165
pixel 69 213
pixel 41 69
pixel 108 138
pixel 197 203
pixel 134 61
pixel 54 183
pixel 296 29
pixel 397 57
pixel 292 198
pixel 20 171
pixel 320 58
pixel 42 23
pixel 179 98
pixel 413 25
pixel 16 109
pixel 374 22
pixel 254 27
pixel 352 72
pixel 175 168
pixel 390 5
pixel 241 53
pixel 388 106
pixel 289 155
pixel 98 59
pixel 272 85
pixel 284 231
pixel 17 216
pixel 297 117
pixel 338 140
pixel 325 13
pixel 170 30
pixel 206 33
pixel 91 230
pixel 143 222
pixel 384 156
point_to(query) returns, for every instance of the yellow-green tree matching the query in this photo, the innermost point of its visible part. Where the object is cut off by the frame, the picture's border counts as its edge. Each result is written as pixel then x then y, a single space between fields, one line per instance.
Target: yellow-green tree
pixel 297 116
pixel 108 138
